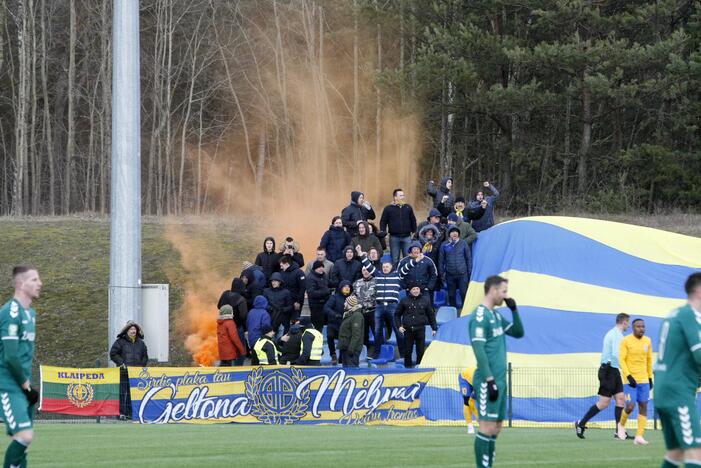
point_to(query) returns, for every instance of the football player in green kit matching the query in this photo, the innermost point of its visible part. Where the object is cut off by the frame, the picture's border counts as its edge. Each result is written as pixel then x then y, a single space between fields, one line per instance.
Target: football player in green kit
pixel 677 371
pixel 488 330
pixel 17 332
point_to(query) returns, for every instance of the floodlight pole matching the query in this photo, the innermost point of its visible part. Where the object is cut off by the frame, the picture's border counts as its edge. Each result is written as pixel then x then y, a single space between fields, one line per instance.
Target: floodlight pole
pixel 125 228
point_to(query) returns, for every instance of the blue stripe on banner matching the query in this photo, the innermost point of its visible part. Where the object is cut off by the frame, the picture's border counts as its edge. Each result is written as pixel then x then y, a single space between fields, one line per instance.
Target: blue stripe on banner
pixel 550 331
pixel 440 404
pixel 538 247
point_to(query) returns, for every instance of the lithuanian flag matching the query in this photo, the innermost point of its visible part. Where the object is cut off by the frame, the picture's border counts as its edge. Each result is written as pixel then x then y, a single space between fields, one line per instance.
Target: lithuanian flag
pixel 83 392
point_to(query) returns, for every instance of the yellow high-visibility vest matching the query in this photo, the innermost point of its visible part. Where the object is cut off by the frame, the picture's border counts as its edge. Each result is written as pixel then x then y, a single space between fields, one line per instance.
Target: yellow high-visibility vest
pixel 260 352
pixel 317 345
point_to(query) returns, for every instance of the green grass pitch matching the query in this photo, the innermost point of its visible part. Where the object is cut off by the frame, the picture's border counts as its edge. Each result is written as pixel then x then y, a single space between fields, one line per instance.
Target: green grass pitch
pixel 94 445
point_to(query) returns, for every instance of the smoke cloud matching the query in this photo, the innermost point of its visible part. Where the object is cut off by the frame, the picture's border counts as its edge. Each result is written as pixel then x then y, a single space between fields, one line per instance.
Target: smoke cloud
pixel 303 149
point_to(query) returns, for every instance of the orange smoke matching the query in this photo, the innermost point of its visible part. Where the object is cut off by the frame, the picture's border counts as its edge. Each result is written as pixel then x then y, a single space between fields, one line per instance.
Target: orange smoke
pixel 312 134
pixel 202 288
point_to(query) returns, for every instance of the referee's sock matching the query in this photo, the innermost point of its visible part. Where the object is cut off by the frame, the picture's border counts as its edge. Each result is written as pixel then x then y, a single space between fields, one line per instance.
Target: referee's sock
pixel 618 411
pixel 483 450
pixel 593 411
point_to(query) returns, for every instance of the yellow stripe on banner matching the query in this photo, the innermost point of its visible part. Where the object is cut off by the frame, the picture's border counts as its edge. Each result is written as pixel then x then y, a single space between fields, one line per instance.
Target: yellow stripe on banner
pixel 650 244
pixel 551 292
pixel 534 375
pixel 67 375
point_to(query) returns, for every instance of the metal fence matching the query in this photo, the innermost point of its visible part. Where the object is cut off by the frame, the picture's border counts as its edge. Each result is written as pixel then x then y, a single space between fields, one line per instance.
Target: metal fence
pixel 536 397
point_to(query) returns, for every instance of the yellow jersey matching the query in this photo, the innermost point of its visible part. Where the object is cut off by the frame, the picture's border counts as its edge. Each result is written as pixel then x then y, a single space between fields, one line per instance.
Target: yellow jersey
pixel 467 374
pixel 636 358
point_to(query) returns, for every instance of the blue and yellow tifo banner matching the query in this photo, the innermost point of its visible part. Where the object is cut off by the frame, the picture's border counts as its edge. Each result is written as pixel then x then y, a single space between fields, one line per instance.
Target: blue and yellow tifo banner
pixel 277 395
pixel 570 278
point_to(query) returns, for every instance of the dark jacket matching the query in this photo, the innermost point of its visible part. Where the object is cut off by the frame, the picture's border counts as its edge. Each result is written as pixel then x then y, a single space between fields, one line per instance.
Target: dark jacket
pixel 252 289
pixel 455 259
pixel 432 247
pixel 318 290
pixel 487 219
pixel 350 333
pixel 294 279
pixel 279 301
pixel 354 213
pixel 415 313
pixel 127 352
pixel 235 299
pixel 334 306
pixel 424 272
pixel 291 348
pixel 367 241
pixel 258 317
pixel 345 270
pixel 439 192
pixel 398 220
pixel 268 261
pixel 334 240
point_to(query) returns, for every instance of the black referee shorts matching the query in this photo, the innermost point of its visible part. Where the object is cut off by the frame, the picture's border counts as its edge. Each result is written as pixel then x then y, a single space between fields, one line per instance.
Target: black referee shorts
pixel 610 382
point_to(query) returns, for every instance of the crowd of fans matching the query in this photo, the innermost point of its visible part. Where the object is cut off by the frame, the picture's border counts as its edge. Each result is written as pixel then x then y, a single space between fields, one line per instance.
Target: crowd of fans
pixel 275 311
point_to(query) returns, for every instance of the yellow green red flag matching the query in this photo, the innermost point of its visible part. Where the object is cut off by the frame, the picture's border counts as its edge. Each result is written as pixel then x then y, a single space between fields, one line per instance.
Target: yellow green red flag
pixel 83 392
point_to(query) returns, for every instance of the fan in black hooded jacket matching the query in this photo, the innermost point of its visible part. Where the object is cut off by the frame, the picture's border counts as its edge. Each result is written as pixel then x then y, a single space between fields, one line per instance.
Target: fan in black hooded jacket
pixel 268 259
pixel 356 212
pixel 235 299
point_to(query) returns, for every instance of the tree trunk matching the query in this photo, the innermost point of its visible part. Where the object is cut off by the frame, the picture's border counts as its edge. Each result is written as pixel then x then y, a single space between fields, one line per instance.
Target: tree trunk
pixel 48 132
pixel 567 150
pixel 378 108
pixel 20 113
pixel 70 137
pixel 585 145
pixel 356 92
pixel 33 147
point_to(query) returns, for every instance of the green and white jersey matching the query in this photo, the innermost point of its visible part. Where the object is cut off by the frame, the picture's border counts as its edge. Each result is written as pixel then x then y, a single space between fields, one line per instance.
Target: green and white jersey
pixel 676 371
pixel 16 323
pixel 489 327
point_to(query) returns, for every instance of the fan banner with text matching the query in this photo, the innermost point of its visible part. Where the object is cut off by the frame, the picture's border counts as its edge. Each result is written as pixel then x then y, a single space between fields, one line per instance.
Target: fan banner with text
pixel 277 395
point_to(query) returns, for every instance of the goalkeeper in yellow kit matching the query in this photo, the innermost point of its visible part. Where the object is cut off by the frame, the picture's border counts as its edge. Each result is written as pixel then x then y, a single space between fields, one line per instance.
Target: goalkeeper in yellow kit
pixel 636 367
pixel 468 396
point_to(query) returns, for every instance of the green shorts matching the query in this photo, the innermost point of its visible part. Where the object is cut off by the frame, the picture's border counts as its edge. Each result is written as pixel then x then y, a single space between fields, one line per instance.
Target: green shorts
pixel 16 412
pixel 680 426
pixel 489 410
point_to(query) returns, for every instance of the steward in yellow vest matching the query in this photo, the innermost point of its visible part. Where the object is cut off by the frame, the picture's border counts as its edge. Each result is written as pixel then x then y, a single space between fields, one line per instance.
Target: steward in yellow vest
pixel 265 349
pixel 312 344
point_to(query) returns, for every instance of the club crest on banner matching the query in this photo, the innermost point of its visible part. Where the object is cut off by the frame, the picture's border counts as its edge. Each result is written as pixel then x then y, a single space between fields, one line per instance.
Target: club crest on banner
pixel 80 394
pixel 273 397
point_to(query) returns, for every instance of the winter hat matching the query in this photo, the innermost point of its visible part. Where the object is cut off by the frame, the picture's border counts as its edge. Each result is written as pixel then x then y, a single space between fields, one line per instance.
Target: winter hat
pixel 226 312
pixel 317 264
pixel 247 265
pixel 386 258
pixel 266 329
pixel 460 199
pixel 305 320
pixel 351 302
pixel 412 284
pixel 453 228
pixel 416 244
pixel 434 212
pixel 453 217
pixel 347 248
